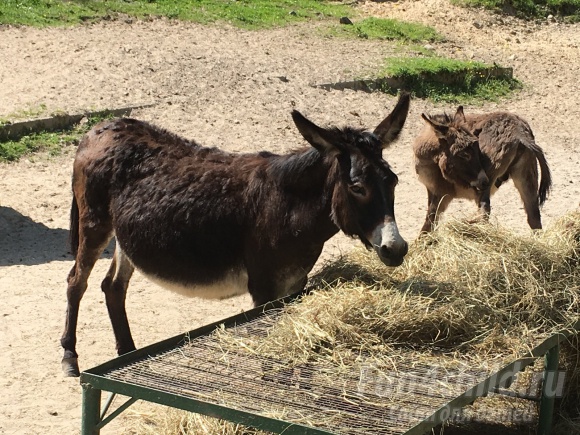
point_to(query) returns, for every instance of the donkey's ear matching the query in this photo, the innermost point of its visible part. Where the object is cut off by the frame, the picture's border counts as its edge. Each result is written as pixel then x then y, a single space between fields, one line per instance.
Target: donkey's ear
pixel 320 138
pixel 439 129
pixel 388 130
pixel 459 115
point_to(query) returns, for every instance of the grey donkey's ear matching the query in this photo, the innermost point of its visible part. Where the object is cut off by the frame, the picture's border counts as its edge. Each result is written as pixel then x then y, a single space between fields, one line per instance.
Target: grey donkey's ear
pixel 390 128
pixel 320 138
pixel 439 129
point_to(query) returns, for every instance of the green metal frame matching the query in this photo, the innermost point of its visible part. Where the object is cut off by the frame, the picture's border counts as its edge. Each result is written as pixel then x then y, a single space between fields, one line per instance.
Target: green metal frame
pixel 547 401
pixel 548 348
pixel 93 382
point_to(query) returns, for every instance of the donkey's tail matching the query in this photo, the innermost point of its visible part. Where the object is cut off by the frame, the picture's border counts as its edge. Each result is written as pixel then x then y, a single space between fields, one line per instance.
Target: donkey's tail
pixel 546 180
pixel 73 235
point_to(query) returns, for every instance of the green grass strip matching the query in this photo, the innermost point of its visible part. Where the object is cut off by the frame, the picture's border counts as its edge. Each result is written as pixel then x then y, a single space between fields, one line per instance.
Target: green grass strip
pixel 388 29
pixel 569 10
pixel 449 80
pixel 51 143
pixel 249 14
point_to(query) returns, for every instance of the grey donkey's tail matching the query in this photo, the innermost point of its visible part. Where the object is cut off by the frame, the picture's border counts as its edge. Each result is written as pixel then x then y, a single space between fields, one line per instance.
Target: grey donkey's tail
pixel 73 235
pixel 546 179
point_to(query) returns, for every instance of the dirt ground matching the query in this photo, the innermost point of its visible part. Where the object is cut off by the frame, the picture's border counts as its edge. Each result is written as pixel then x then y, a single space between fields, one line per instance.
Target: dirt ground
pixel 232 89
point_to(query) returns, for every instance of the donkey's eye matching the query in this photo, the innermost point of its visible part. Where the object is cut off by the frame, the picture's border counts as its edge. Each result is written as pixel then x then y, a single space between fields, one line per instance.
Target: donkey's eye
pixel 358 189
pixel 465 155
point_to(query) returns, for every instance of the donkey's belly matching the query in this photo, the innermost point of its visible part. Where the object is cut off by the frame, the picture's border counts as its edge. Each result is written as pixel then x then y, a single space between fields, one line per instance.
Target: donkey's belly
pixel 232 284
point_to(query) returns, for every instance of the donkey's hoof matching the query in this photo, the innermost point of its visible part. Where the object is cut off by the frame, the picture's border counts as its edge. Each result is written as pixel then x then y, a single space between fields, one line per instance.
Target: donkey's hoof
pixel 70 367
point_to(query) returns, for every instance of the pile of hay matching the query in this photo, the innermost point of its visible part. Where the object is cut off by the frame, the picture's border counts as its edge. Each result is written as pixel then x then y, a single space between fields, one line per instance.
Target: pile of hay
pixel 175 421
pixel 479 290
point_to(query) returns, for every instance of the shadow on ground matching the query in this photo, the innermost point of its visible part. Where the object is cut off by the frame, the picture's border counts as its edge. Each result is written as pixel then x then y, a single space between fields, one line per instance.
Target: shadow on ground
pixel 26 242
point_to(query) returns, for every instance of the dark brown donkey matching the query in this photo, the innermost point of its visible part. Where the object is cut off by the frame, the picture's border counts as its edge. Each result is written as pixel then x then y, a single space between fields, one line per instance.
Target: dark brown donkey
pixel 209 223
pixel 470 156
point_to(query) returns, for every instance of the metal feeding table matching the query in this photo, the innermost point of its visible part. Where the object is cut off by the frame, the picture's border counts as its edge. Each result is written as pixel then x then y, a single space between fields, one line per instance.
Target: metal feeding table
pixel 194 372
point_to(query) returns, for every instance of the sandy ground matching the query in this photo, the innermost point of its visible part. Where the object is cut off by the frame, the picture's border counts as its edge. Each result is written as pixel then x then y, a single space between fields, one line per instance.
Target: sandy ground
pixel 232 89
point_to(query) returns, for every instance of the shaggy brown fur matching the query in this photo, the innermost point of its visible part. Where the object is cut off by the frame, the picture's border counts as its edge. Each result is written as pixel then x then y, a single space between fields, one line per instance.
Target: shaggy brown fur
pixel 470 156
pixel 214 224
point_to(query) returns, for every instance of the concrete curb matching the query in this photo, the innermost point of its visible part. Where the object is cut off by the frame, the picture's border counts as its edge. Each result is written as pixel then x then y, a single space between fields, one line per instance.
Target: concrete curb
pixel 396 83
pixel 16 130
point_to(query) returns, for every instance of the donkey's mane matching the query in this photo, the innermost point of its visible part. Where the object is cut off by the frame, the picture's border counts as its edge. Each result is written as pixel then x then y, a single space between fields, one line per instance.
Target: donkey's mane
pixel 290 167
pixel 361 138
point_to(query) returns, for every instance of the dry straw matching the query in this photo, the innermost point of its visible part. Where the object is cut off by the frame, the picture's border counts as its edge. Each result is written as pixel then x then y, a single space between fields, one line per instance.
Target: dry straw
pixel 176 422
pixel 478 291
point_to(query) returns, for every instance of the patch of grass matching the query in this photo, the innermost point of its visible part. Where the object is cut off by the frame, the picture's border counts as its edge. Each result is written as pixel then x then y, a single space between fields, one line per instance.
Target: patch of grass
pixel 255 14
pixel 403 66
pixel 51 143
pixel 250 14
pixel 389 29
pixel 569 10
pixel 448 80
pixel 30 112
pixel 422 50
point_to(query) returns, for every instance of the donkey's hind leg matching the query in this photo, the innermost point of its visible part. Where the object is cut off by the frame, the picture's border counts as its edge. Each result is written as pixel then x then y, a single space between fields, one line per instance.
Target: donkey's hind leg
pixel 115 288
pixel 92 243
pixel 525 178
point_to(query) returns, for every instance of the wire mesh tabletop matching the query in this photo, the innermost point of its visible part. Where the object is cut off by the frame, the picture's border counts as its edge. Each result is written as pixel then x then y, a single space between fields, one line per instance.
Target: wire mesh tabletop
pixel 363 400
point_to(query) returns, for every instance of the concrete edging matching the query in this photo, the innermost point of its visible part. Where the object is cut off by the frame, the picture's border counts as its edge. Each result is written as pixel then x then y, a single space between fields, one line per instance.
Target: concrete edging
pixel 16 130
pixel 395 83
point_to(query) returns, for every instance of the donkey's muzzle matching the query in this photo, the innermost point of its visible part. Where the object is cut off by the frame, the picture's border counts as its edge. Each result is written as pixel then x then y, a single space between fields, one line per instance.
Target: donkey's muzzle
pixel 388 243
pixel 481 183
pixel 393 255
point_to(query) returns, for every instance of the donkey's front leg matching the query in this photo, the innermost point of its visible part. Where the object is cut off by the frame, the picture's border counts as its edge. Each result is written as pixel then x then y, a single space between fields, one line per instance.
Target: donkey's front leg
pixel 269 288
pixel 279 273
pixel 436 204
pixel 484 204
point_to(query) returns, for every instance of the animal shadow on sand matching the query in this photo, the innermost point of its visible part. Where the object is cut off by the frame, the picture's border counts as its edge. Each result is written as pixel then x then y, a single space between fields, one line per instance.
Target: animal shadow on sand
pixel 26 242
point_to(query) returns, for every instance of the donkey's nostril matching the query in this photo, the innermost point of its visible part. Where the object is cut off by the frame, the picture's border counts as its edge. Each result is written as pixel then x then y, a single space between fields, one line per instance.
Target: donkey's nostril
pixel 384 251
pixel 393 255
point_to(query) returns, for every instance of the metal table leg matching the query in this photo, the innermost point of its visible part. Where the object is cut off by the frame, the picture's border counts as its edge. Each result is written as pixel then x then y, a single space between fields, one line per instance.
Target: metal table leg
pixel 549 391
pixel 91 411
